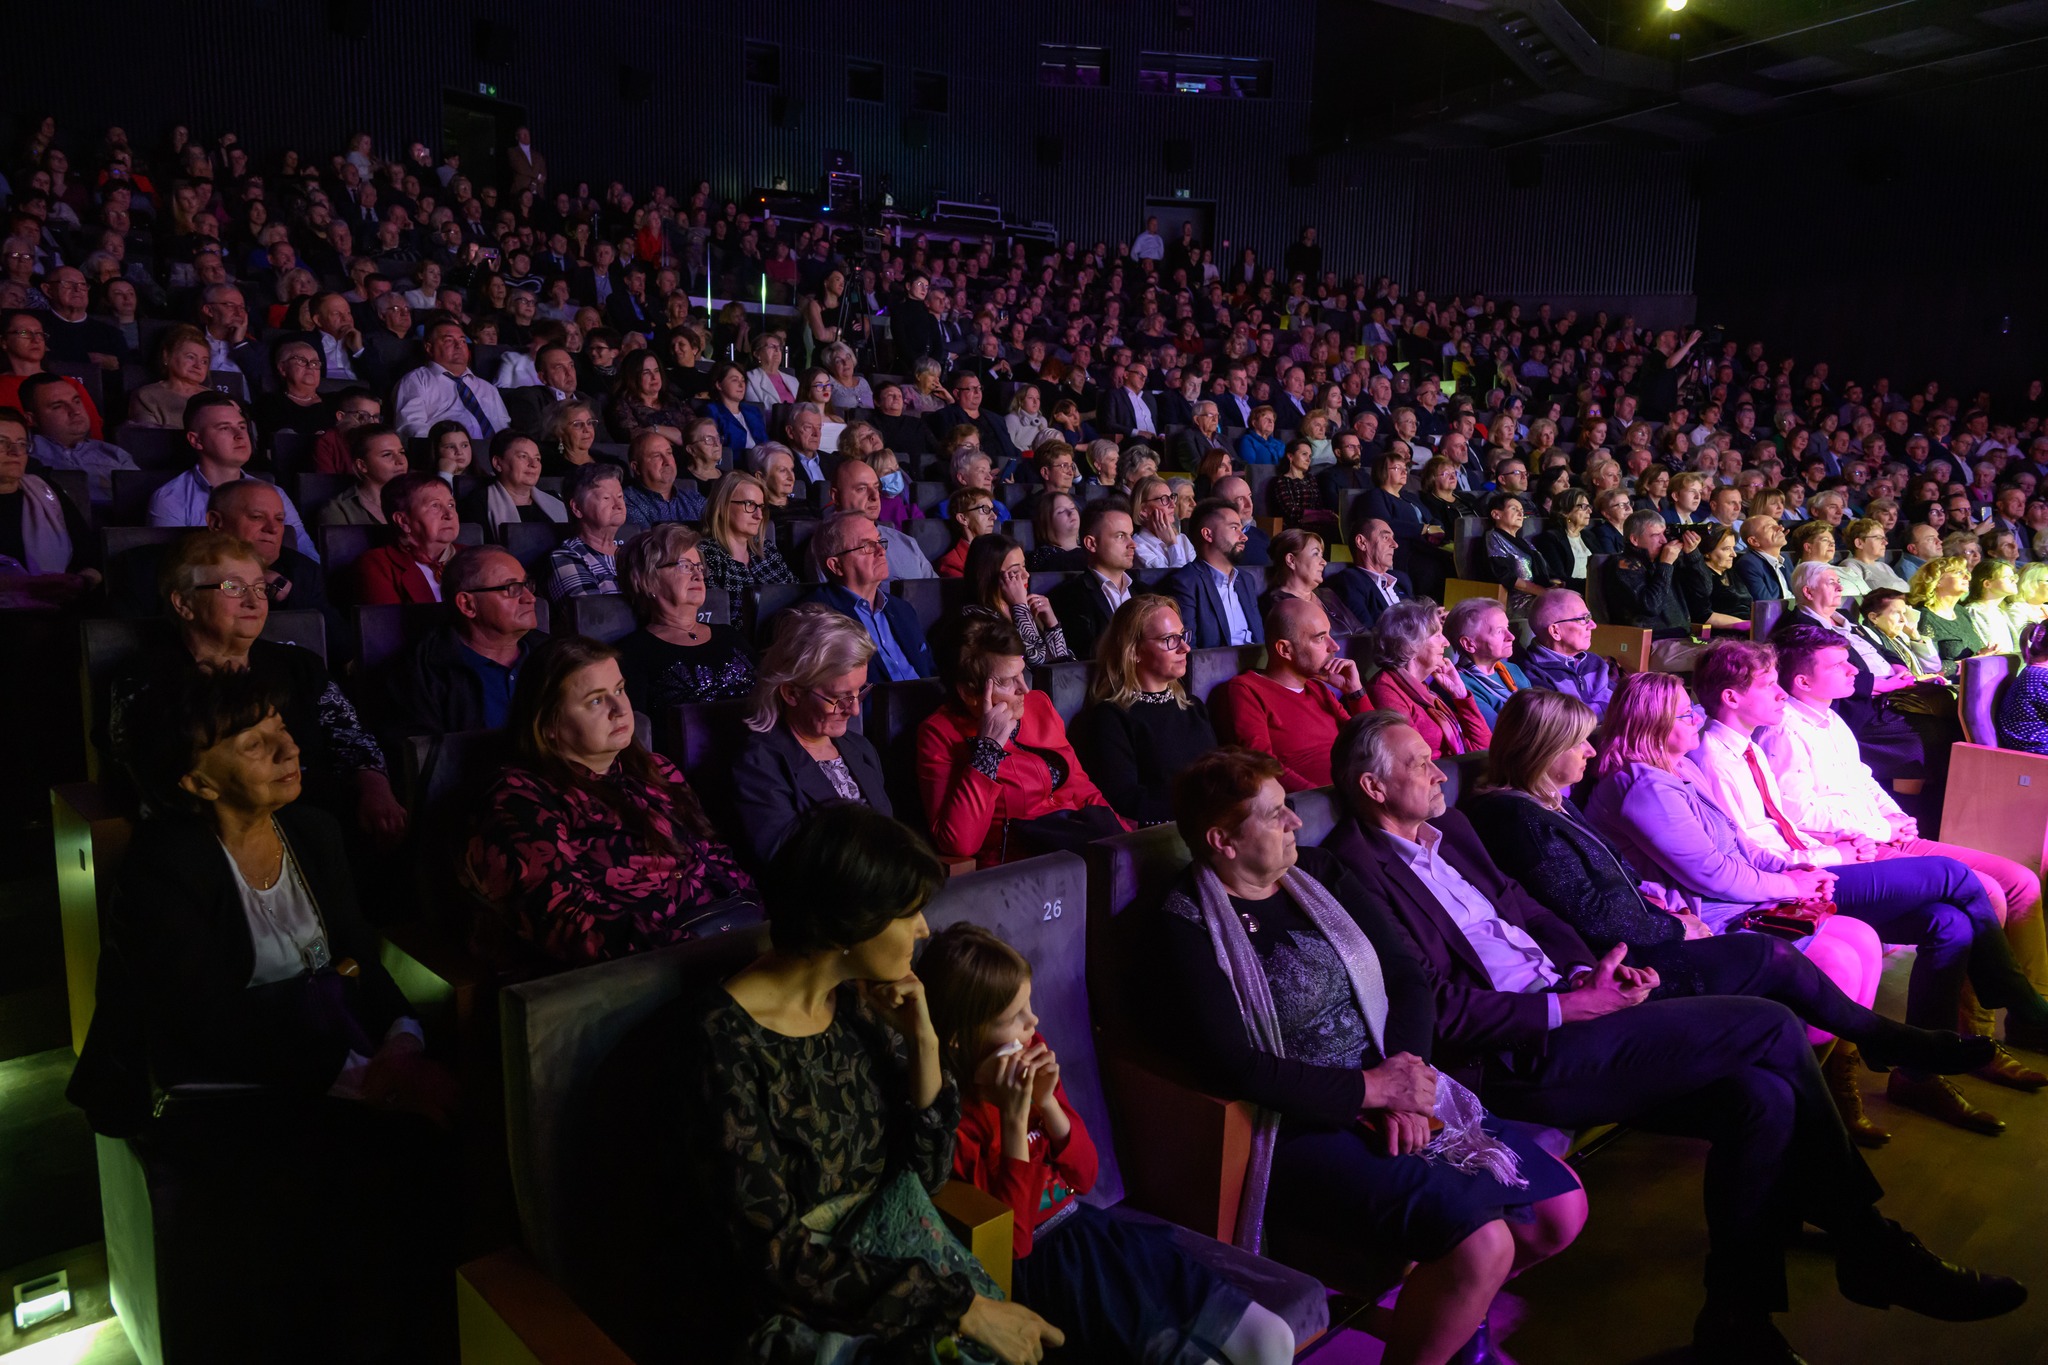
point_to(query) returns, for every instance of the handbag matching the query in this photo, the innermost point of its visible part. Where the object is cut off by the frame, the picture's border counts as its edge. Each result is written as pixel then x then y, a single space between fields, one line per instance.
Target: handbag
pixel 1792 920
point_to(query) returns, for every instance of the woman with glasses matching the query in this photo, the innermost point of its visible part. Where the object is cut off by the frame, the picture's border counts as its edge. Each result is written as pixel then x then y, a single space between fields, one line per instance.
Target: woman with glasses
pixel 1140 727
pixel 1161 544
pixel 768 384
pixel 640 400
pixel 1865 568
pixel 219 598
pixel 569 432
pixel 674 657
pixel 699 455
pixel 996 575
pixel 296 404
pixel 999 779
pixel 849 389
pixel 800 752
pixel 739 551
pixel 589 847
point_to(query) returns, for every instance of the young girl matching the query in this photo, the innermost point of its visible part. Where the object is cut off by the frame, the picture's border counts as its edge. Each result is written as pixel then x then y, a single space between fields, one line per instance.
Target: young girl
pixel 1118 1288
pixel 897 505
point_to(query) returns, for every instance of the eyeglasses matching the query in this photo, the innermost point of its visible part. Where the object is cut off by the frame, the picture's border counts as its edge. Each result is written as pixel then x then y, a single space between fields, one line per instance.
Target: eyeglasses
pixel 1698 713
pixel 515 588
pixel 1573 621
pixel 35 332
pixel 234 588
pixel 745 505
pixel 691 568
pixel 844 702
pixel 1172 644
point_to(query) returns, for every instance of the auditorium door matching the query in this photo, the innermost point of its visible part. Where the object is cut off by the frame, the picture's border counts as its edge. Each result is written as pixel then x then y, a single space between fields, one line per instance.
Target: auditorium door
pixel 479 129
pixel 1171 213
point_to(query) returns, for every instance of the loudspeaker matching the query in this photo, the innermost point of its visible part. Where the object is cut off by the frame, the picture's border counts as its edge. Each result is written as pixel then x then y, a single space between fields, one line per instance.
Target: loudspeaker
pixel 1525 169
pixel 1049 150
pixel 348 18
pixel 917 132
pixel 1180 154
pixel 635 86
pixel 1301 171
pixel 494 40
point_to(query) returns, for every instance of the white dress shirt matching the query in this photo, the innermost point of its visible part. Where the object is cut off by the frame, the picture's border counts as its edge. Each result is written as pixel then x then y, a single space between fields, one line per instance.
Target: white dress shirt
pixel 427 395
pixel 1116 596
pixel 1514 961
pixel 219 357
pixel 1141 412
pixel 1823 782
pixel 1154 553
pixel 1722 760
pixel 336 358
pixel 516 371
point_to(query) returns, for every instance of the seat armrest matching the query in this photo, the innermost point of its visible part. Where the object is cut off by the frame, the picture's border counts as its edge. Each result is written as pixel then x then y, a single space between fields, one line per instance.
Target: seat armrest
pixel 1184 1154
pixel 510 1313
pixel 985 1223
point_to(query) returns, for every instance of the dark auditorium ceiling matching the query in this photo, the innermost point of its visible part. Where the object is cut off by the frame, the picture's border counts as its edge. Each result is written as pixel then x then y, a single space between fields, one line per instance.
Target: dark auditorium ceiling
pixel 1479 73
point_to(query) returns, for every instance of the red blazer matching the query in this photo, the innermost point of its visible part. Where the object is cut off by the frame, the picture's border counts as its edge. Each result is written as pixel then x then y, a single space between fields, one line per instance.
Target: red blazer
pixel 330 454
pixel 953 563
pixel 1432 714
pixel 387 576
pixel 966 809
pixel 1034 1189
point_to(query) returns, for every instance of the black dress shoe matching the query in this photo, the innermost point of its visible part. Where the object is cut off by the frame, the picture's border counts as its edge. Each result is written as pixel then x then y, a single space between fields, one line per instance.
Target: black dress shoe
pixel 1893 1270
pixel 1928 1051
pixel 1740 1339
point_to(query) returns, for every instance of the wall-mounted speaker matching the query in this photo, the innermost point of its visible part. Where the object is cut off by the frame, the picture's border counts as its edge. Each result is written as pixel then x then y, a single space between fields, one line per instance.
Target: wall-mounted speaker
pixel 1049 150
pixel 494 40
pixel 917 132
pixel 348 18
pixel 635 85
pixel 1179 154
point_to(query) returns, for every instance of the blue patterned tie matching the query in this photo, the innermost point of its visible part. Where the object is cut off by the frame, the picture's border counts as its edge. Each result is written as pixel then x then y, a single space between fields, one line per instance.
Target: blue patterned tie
pixel 476 409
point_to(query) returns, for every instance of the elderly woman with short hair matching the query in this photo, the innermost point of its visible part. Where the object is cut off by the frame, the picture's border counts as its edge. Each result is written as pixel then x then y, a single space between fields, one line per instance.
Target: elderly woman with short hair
pixel 1418 679
pixel 674 657
pixel 801 751
pixel 925 394
pixel 1865 568
pixel 1482 642
pixel 768 383
pixel 775 465
pixel 849 389
pixel 185 358
pixel 587 562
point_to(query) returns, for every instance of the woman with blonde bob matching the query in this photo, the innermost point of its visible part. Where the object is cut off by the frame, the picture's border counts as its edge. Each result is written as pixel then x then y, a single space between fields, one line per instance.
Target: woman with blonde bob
pixel 738 550
pixel 800 753
pixel 1141 727
pixel 1526 818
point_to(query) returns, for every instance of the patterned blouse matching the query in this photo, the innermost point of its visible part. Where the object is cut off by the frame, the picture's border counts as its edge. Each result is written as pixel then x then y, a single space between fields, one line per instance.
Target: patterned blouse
pixel 764 565
pixel 1298 501
pixel 568 879
pixel 629 416
pixel 795 1133
pixel 576 570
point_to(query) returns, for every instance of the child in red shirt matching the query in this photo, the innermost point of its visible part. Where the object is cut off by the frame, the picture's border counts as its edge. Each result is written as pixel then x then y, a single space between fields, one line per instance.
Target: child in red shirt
pixel 1118 1287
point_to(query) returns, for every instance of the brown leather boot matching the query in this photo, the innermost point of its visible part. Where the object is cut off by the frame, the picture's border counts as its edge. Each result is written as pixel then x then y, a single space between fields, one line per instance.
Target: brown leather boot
pixel 1842 1068
pixel 1937 1097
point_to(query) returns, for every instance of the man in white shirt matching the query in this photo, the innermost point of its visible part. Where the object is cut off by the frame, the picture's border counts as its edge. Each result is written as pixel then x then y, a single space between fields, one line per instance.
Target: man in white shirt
pixel 340 342
pixel 1823 783
pixel 1935 903
pixel 1149 246
pixel 218 432
pixel 443 389
pixel 1128 415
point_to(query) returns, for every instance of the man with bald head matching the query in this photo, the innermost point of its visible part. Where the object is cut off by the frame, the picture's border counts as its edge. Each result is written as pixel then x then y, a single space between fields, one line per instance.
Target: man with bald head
pixel 856 488
pixel 250 509
pixel 1560 655
pixel 1761 566
pixel 1292 708
pixel 462 675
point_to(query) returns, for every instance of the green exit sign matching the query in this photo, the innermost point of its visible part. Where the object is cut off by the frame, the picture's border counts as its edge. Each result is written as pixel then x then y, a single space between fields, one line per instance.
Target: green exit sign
pixel 1181 194
pixel 486 88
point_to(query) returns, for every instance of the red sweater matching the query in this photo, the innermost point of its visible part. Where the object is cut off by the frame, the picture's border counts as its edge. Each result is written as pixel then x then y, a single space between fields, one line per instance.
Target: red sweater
pixel 1034 1189
pixel 967 810
pixel 953 563
pixel 388 575
pixel 1297 728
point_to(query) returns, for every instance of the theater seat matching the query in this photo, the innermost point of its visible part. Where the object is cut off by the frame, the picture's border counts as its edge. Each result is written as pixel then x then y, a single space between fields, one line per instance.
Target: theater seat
pixel 1457 590
pixel 605 616
pixel 934 535
pixel 530 542
pixel 764 602
pixel 927 597
pixel 1066 683
pixel 1210 668
pixel 1980 686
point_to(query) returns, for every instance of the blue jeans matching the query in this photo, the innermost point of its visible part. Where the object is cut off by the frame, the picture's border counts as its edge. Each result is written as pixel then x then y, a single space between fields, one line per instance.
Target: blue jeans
pixel 1939 906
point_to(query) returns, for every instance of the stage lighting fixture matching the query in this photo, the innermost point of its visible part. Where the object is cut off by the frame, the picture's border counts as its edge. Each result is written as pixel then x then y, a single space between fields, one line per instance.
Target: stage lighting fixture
pixel 1674 5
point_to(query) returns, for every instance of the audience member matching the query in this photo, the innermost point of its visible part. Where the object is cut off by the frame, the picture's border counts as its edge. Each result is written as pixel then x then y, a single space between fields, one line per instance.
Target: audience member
pixel 1992 585
pixel 738 547
pixel 998 777
pixel 1056 535
pixel 1939 588
pixel 1865 568
pixel 1559 655
pixel 857 488
pixel 1000 584
pixel 674 657
pixel 587 847
pixel 461 676
pixel 1643 592
pixel 1511 560
pixel 45 542
pixel 1299 570
pixel 1141 727
pixel 57 412
pixel 376 456
pixel 855 566
pixel 1218 602
pixel 1085 602
pixel 972 512
pixel 1161 544
pixel 587 562
pixel 1370 583
pixel 446 390
pixel 421 509
pixel 1292 707
pixel 1482 642
pixel 1418 679
pixel 513 495
pixel 2023 709
pixel 184 358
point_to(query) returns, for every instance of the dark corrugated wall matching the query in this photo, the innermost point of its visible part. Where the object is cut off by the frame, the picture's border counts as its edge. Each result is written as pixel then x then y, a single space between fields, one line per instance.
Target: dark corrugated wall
pixel 1606 221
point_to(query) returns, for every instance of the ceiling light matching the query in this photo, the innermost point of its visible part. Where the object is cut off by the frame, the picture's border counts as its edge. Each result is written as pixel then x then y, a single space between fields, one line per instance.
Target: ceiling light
pixel 1674 5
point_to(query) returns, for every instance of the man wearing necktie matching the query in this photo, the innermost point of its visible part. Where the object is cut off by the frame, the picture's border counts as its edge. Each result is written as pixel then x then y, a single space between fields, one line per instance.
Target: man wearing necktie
pixel 444 389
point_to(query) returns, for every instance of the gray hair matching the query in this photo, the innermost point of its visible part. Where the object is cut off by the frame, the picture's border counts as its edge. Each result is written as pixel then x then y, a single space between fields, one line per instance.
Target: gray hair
pixel 1805 575
pixel 813 643
pixel 758 457
pixel 1361 748
pixel 1401 629
pixel 835 353
pixel 1104 446
pixel 465 571
pixel 925 365
pixel 584 477
pixel 1196 411
pixel 642 558
pixel 1465 616
pixel 965 456
pixel 834 538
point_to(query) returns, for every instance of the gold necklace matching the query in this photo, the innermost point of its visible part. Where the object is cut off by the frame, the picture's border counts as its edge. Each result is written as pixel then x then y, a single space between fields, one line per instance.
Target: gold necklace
pixel 276 872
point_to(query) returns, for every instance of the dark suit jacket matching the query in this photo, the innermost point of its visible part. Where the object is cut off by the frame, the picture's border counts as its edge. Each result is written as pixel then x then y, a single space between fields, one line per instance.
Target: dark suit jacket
pixel 1289 410
pixel 1083 611
pixel 525 406
pixel 175 1005
pixel 619 314
pixel 584 286
pixel 903 626
pixel 1193 586
pixel 1360 594
pixel 387 358
pixel 778 782
pixel 1187 449
pixel 1472 1018
pixel 995 433
pixel 1120 417
pixel 1755 574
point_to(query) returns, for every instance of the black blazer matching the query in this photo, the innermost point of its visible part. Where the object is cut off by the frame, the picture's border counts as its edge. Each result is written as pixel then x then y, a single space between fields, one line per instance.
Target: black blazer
pixel 914 332
pixel 1473 1020
pixel 175 1005
pixel 777 782
pixel 1557 557
pixel 1083 611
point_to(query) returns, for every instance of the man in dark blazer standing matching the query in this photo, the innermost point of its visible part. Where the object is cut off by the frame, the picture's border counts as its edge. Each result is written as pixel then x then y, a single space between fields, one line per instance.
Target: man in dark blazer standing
pixel 1545 1033
pixel 1219 604
pixel 1085 602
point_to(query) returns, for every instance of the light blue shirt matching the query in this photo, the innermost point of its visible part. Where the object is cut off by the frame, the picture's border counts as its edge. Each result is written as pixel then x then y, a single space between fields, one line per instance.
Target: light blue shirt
pixel 1237 630
pixel 182 502
pixel 1514 961
pixel 99 460
pixel 894 661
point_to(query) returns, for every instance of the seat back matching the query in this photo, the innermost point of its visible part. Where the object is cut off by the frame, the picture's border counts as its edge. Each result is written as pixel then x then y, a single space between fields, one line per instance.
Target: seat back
pixel 704 739
pixel 1764 615
pixel 1628 646
pixel 1596 588
pixel 1980 687
pixel 1044 582
pixel 1210 668
pixel 894 712
pixel 133 488
pixel 1319 812
pixel 530 542
pixel 342 546
pixel 602 616
pixel 309 491
pixel 154 447
pixel 385 632
pixel 766 601
pixel 1039 906
pixel 934 535
pixel 927 597
pixel 1125 871
pixel 1066 683
pixel 1466 552
pixel 1457 590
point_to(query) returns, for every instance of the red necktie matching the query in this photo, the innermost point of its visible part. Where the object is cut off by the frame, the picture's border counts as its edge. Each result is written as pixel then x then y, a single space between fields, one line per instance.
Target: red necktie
pixel 1785 826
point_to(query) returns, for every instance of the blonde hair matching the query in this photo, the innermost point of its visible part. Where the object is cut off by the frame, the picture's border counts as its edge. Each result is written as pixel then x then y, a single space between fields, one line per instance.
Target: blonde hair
pixel 1921 590
pixel 1115 678
pixel 1643 710
pixel 718 516
pixel 812 644
pixel 1534 728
